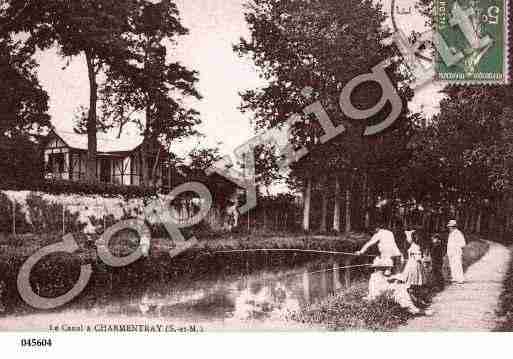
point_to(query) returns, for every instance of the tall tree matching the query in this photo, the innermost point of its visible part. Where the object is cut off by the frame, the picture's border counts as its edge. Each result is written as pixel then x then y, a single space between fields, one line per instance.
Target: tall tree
pixel 155 100
pixel 23 103
pixel 321 45
pixel 23 114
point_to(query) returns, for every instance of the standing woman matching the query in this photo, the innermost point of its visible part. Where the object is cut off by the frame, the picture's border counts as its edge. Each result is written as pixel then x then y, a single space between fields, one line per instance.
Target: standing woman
pixel 414 273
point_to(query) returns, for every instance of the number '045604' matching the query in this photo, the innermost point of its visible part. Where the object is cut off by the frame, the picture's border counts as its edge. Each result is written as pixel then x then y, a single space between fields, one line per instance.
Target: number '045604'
pixel 36 342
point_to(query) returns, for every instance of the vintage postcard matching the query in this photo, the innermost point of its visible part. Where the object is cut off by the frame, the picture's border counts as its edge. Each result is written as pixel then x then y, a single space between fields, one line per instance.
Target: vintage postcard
pixel 192 166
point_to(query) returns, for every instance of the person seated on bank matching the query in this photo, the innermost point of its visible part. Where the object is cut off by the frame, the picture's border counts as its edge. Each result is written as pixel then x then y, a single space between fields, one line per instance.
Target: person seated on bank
pixel 381 282
pixel 403 296
pixel 378 282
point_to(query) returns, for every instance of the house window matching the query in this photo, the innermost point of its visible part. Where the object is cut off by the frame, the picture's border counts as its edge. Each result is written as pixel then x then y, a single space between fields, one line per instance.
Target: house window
pixel 118 171
pixel 56 162
pixel 105 175
pixel 135 168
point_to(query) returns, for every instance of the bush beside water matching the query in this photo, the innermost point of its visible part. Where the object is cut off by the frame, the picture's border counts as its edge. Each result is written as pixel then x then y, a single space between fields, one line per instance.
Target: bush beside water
pixel 349 311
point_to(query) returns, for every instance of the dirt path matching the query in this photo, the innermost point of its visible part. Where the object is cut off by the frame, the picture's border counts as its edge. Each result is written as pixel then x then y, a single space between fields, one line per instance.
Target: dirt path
pixel 471 306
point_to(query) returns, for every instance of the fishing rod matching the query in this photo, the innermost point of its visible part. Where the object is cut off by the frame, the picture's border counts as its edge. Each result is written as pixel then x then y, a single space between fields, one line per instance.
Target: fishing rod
pixel 294 250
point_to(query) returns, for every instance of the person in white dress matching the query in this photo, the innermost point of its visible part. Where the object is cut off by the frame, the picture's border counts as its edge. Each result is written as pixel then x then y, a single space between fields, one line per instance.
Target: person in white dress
pixel 413 273
pixel 455 244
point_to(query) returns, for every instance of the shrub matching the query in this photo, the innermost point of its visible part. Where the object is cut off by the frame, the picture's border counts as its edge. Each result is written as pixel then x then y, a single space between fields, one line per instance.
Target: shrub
pixel 505 310
pixel 69 187
pixel 349 311
pixel 46 217
pixel 6 216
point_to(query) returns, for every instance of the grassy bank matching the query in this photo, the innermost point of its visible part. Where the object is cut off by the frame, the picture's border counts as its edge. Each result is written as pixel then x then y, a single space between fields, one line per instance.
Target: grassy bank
pixel 56 274
pixel 348 310
pixel 505 311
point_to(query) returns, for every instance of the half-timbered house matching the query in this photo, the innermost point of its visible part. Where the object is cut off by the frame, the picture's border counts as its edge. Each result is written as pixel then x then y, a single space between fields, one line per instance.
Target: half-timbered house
pixel 118 161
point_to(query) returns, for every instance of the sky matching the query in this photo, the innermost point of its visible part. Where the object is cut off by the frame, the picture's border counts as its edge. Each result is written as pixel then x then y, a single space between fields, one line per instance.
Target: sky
pixel 214 25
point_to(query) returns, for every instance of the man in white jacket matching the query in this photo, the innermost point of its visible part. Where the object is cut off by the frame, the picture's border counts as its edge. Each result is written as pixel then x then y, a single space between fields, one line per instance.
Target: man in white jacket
pixel 455 244
pixel 386 245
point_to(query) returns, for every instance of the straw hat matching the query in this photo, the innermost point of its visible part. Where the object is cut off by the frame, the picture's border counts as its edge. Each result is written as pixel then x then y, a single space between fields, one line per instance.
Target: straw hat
pixel 452 223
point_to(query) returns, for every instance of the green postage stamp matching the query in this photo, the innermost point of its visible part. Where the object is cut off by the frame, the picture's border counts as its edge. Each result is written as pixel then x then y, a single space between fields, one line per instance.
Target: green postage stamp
pixel 471 37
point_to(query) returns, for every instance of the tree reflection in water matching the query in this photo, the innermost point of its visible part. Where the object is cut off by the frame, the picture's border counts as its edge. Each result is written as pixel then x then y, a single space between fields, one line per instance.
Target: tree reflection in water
pixel 261 296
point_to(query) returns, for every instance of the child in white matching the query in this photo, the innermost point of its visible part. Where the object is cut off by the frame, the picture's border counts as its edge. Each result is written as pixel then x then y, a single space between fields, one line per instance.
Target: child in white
pixel 413 273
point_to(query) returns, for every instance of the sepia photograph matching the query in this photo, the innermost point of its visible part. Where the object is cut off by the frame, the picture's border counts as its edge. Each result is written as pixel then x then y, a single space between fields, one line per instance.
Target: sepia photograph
pixel 225 166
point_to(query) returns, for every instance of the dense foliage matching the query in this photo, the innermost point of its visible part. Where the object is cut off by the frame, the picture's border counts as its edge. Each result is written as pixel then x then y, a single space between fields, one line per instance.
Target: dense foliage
pixel 422 171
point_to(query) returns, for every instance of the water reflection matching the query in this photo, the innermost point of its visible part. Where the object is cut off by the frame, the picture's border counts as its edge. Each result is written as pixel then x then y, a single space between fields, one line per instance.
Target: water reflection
pixel 261 296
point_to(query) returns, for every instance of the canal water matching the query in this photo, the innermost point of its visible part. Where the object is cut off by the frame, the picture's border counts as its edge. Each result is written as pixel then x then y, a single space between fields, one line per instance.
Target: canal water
pixel 268 294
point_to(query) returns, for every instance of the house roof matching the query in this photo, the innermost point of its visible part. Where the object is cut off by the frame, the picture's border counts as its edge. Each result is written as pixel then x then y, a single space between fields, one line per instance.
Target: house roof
pixel 105 143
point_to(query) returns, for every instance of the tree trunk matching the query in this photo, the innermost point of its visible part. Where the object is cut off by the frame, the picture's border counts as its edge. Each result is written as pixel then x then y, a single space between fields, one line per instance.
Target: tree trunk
pixel 91 174
pixel 424 220
pixel 369 200
pixel 502 215
pixel 307 204
pixel 478 221
pixel 336 210
pixel 363 200
pixel 264 212
pixel 236 212
pixel 143 149
pixel 507 223
pixel 155 165
pixel 473 222
pixel 467 215
pixel 324 209
pixel 348 207
pixel 489 222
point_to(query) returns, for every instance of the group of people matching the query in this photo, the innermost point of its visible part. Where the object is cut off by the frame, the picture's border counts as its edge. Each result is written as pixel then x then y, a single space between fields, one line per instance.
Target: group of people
pixel 407 275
